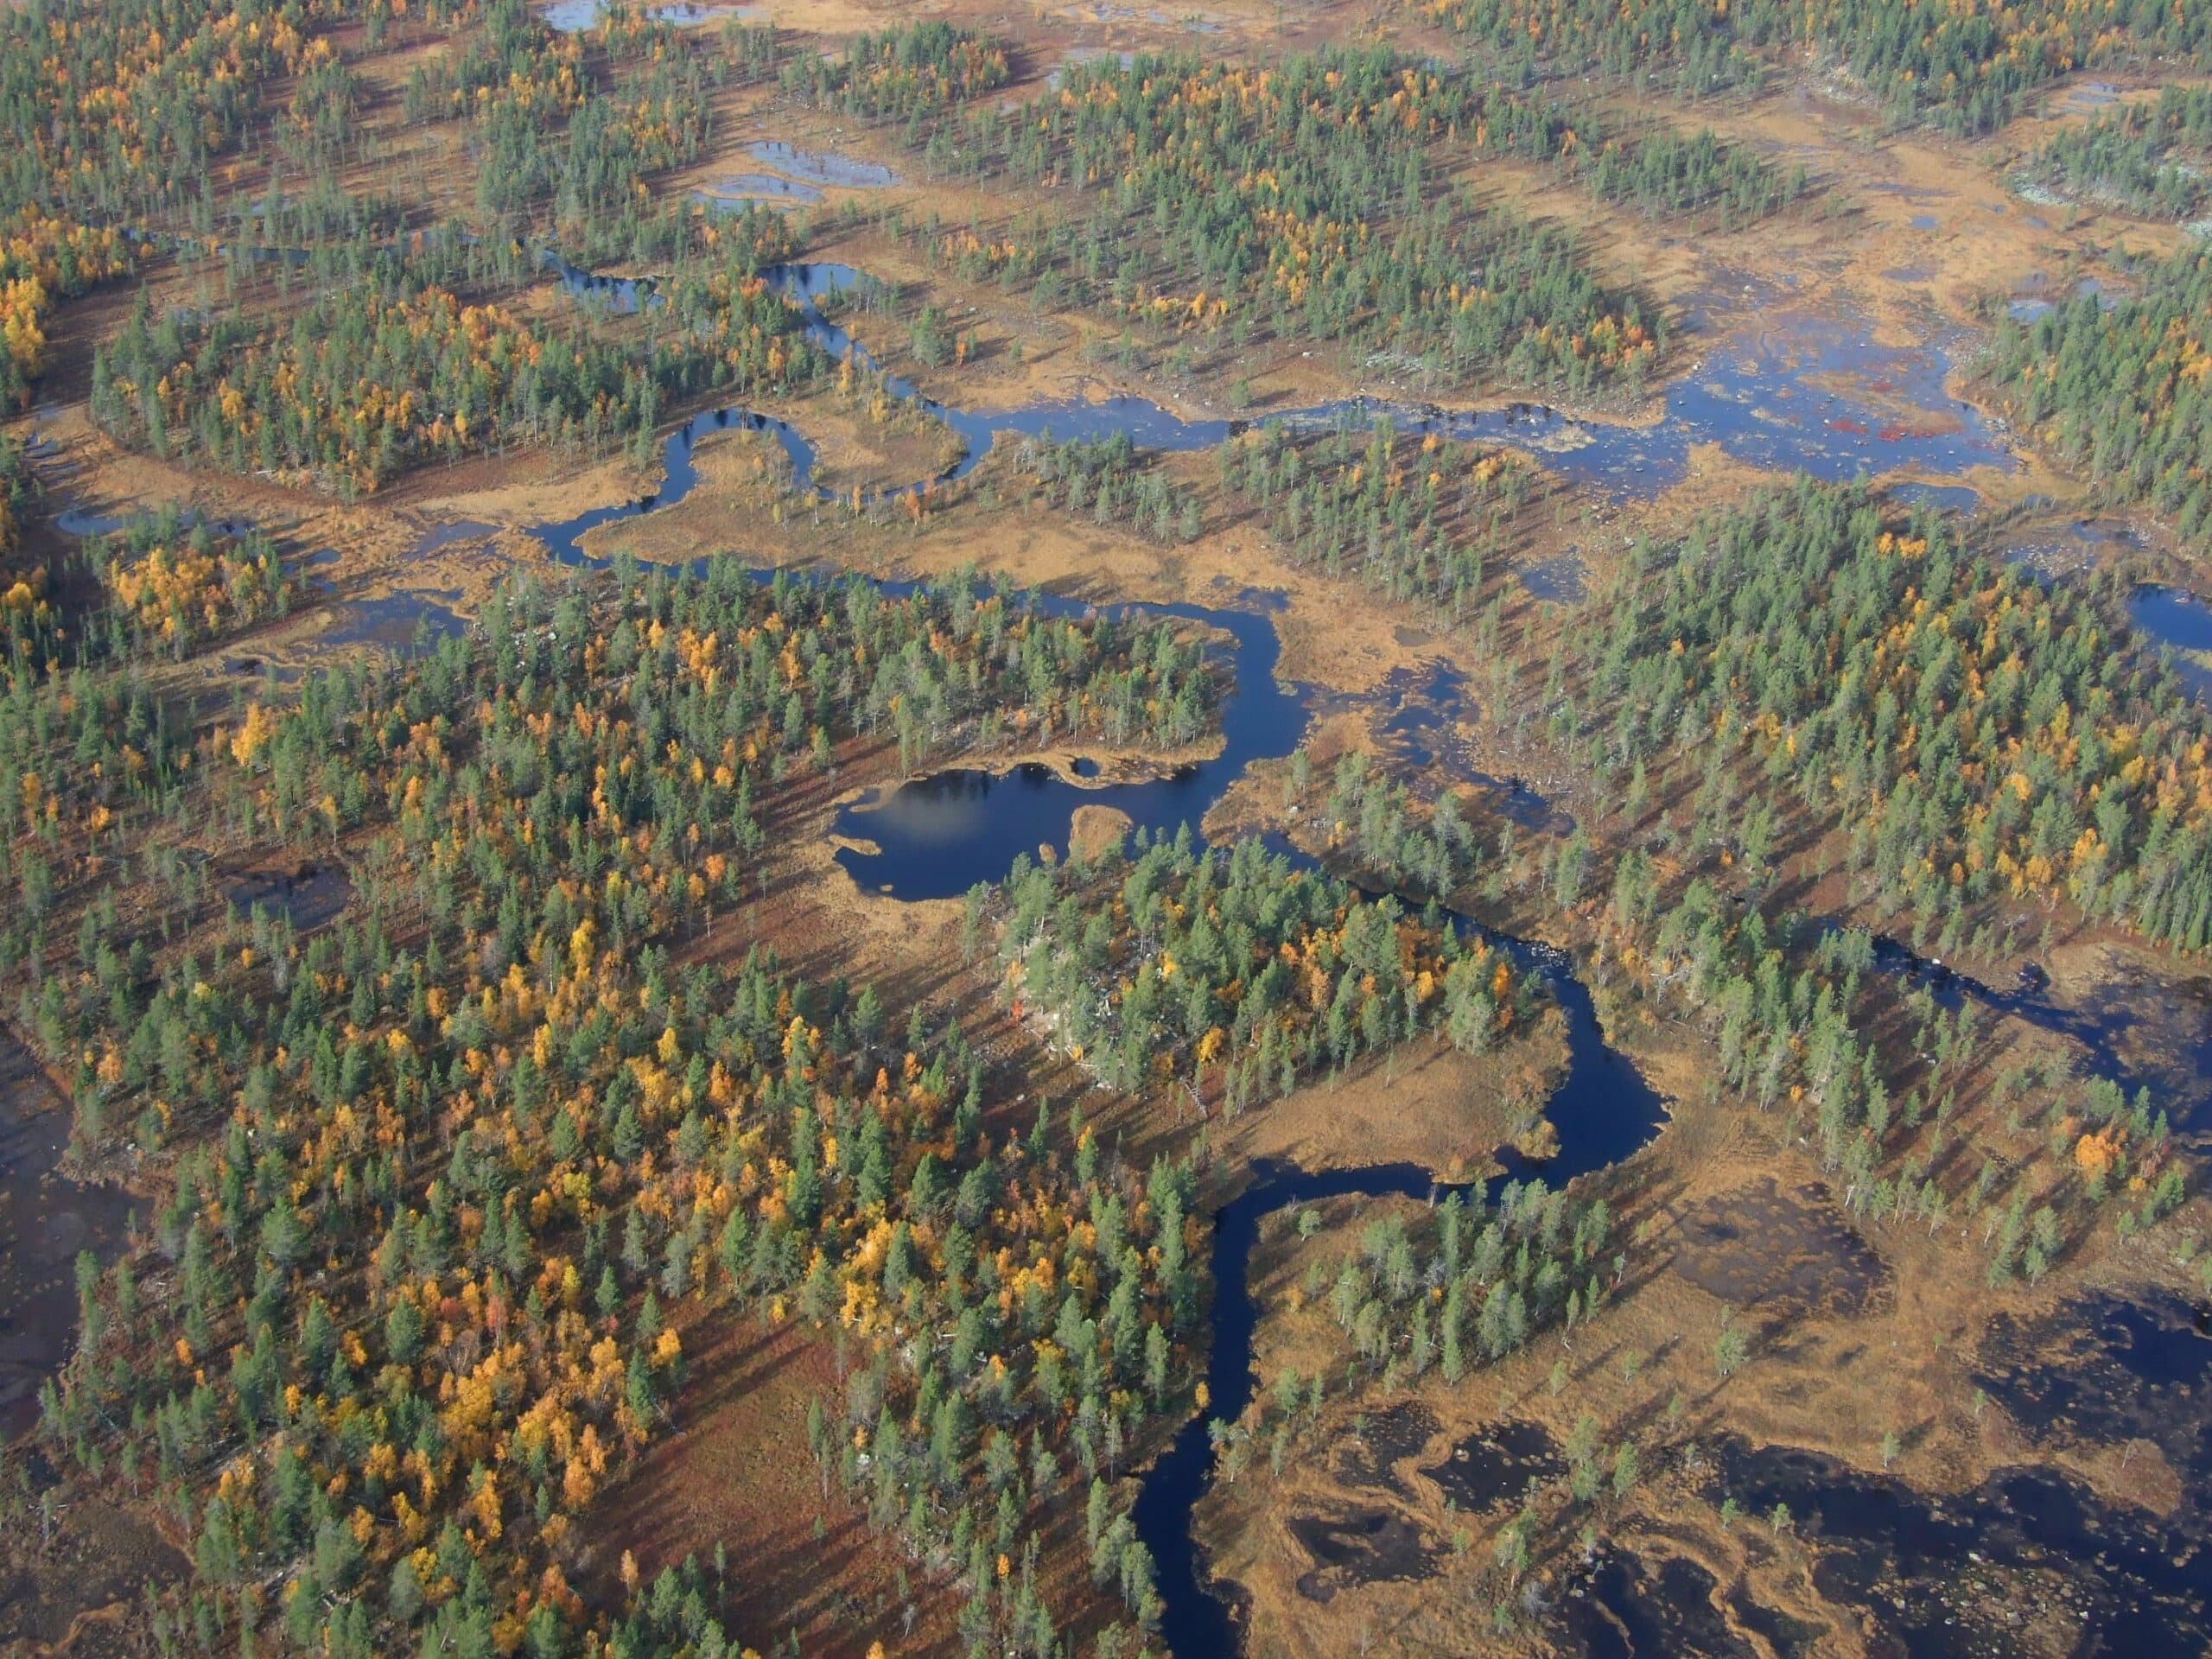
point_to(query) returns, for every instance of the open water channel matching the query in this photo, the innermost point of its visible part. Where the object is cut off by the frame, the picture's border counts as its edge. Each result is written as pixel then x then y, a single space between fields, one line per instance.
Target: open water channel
pixel 1806 393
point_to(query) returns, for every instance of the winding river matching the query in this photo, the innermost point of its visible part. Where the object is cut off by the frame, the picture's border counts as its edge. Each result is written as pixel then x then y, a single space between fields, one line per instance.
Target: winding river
pixel 936 836
pixel 1767 398
pixel 1766 394
pixel 1603 1112
pixel 1792 390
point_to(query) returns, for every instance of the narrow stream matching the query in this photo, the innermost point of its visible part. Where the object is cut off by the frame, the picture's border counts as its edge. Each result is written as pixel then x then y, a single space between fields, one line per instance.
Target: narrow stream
pixel 1797 390
pixel 1767 393
pixel 1603 1112
pixel 936 836
pixel 1770 400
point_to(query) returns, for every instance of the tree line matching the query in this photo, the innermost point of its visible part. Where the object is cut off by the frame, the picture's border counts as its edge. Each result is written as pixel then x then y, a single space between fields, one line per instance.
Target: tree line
pixel 2147 158
pixel 1967 70
pixel 2122 392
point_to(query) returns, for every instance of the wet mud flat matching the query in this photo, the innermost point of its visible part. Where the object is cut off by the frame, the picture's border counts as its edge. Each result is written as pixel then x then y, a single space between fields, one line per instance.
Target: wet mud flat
pixel 2107 1369
pixel 76 1590
pixel 1632 1606
pixel 45 1221
pixel 1762 1247
pixel 1355 1546
pixel 1492 1467
pixel 2031 1560
pixel 1368 1460
pixel 1639 1598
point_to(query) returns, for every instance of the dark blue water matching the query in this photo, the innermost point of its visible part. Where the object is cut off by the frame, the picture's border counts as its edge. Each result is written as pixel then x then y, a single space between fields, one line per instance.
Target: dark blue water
pixel 1420 738
pixel 1603 1112
pixel 2173 616
pixel 2099 1029
pixel 936 836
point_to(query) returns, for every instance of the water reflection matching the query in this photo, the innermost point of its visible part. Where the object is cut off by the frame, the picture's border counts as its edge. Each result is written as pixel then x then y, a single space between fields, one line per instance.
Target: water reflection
pixel 825 166
pixel 2176 617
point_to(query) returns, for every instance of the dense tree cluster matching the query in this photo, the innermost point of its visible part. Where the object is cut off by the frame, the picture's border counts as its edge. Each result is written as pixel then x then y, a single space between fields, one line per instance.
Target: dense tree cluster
pixel 2123 392
pixel 2147 158
pixel 1231 970
pixel 170 581
pixel 514 64
pixel 1964 67
pixel 442 1184
pixel 24 608
pixel 1424 521
pixel 1104 477
pixel 17 486
pixel 117 111
pixel 1659 170
pixel 922 69
pixel 1684 46
pixel 1373 819
pixel 1307 198
pixel 566 129
pixel 364 379
pixel 1668 172
pixel 548 133
pixel 1061 1349
pixel 326 101
pixel 1972 733
pixel 177 584
pixel 1537 1258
